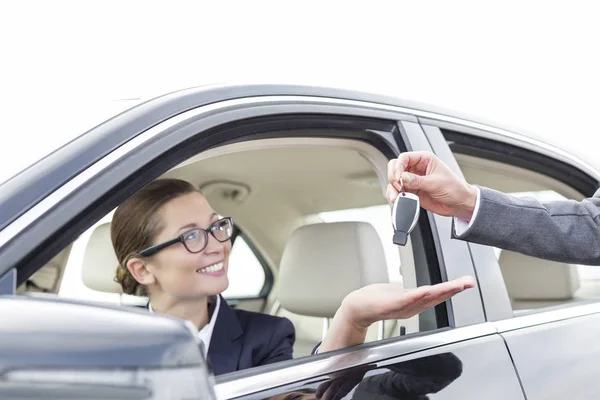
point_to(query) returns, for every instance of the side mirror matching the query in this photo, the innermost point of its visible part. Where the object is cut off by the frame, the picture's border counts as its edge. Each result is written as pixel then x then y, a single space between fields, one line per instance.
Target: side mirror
pixel 60 348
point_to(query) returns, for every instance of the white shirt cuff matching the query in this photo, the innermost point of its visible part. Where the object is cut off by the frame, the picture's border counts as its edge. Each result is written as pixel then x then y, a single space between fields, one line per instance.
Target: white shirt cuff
pixel 460 225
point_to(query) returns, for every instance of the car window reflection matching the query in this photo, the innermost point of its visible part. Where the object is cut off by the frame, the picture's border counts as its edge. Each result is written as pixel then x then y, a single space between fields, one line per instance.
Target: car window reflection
pixel 413 379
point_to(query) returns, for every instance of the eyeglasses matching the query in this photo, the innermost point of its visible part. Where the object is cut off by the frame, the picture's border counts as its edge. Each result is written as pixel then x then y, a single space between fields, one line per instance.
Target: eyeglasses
pixel 196 240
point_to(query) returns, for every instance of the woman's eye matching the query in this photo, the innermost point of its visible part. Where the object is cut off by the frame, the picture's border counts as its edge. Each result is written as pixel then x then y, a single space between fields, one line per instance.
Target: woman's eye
pixel 191 236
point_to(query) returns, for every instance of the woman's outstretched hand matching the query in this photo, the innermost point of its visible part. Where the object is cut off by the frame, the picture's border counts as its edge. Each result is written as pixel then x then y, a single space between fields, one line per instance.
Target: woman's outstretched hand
pixel 385 301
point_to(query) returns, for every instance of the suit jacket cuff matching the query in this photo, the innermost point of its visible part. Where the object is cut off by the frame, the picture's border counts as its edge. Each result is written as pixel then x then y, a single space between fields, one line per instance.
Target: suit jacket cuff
pixel 459 226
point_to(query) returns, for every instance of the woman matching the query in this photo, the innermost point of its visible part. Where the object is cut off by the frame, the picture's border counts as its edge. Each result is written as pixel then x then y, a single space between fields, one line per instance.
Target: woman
pixel 173 247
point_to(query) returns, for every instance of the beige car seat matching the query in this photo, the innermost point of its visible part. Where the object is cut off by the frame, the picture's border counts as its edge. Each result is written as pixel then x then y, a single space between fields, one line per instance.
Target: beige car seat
pixel 321 264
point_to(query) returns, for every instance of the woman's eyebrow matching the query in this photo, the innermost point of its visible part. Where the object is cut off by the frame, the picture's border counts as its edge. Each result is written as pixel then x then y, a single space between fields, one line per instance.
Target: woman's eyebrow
pixel 194 225
pixel 188 226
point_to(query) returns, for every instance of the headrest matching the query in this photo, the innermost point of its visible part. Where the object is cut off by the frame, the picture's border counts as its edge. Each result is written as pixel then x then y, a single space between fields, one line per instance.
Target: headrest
pixel 324 262
pixel 100 262
pixel 530 278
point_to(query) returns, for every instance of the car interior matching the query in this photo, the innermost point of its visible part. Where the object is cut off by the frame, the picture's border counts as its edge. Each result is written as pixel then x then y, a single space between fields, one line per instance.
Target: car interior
pixel 307 210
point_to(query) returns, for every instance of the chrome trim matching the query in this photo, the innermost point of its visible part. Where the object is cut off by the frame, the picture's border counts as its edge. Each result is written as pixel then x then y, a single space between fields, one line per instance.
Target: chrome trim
pixel 308 369
pixel 563 312
pixel 62 192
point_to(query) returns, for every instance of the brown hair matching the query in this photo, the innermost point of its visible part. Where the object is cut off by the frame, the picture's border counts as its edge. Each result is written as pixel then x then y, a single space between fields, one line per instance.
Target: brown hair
pixel 135 225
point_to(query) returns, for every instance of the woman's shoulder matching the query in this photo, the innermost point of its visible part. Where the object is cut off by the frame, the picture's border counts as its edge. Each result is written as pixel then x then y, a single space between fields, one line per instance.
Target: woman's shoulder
pixel 268 338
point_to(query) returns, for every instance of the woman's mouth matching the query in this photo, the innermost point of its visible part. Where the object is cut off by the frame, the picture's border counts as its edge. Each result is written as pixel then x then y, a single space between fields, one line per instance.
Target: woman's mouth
pixel 213 269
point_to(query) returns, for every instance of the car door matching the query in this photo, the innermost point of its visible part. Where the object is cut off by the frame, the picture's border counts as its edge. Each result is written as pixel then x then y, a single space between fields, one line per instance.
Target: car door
pixel 461 363
pixel 51 203
pixel 551 319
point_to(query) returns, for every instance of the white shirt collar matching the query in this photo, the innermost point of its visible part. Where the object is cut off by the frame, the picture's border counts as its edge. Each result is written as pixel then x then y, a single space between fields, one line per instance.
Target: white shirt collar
pixel 204 335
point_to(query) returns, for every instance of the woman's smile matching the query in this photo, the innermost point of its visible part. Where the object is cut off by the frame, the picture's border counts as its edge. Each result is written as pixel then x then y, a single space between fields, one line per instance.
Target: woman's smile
pixel 216 269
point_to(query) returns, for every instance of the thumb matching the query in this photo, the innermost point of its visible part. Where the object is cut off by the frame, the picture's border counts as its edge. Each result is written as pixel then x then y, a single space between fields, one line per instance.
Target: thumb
pixel 411 181
pixel 417 182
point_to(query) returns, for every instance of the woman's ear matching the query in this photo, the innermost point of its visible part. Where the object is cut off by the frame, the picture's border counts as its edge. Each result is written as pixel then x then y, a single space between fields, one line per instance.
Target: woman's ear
pixel 137 268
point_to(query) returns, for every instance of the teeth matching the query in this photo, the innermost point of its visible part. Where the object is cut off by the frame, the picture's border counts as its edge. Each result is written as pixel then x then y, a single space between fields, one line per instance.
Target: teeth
pixel 211 268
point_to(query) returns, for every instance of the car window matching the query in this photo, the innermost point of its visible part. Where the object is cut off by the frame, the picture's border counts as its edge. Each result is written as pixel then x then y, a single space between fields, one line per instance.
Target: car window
pixel 246 273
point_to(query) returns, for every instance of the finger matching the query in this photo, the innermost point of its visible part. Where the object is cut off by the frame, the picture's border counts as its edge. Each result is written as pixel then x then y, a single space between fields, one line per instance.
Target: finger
pixel 414 161
pixel 422 304
pixel 467 280
pixel 415 301
pixel 442 292
pixel 332 391
pixel 322 389
pixel 391 169
pixel 393 176
pixel 391 193
pixel 459 284
pixel 435 301
pixel 347 387
pixel 425 183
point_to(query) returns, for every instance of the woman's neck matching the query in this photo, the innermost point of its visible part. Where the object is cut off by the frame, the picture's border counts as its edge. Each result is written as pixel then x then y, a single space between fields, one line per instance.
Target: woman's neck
pixel 193 310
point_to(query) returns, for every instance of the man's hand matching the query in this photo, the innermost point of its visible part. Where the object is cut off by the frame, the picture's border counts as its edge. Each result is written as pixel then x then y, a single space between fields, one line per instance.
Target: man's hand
pixel 384 301
pixel 440 190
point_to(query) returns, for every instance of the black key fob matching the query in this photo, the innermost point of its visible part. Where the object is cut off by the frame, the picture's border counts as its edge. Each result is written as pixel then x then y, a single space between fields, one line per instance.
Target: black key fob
pixel 405 214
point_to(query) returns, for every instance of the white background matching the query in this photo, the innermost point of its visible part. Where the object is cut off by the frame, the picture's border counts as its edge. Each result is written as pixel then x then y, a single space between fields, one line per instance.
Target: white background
pixel 65 64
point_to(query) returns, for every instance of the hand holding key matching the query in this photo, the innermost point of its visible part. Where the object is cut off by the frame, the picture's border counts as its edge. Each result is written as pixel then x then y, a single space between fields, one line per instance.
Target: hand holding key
pixel 439 189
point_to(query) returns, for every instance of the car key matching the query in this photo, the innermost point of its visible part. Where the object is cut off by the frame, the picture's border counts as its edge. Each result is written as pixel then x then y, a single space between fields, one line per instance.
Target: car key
pixel 405 214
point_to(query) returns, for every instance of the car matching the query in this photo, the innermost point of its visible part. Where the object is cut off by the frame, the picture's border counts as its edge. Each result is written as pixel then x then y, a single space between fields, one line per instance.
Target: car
pixel 278 158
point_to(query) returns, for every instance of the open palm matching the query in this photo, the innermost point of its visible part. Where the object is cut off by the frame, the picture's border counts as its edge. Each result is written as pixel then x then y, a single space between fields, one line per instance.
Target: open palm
pixel 384 301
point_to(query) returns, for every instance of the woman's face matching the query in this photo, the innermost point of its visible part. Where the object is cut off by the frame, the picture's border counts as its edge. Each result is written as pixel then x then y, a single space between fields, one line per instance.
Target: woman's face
pixel 178 272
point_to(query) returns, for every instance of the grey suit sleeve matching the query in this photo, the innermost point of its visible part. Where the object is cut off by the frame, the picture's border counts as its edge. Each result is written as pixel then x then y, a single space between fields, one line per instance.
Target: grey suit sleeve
pixel 565 231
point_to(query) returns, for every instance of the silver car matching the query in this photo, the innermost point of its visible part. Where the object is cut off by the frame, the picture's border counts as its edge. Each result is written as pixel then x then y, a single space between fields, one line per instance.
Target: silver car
pixel 277 158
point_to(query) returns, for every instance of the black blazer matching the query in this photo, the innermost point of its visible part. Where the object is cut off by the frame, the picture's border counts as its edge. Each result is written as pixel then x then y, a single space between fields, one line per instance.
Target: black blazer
pixel 243 339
